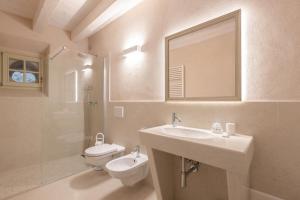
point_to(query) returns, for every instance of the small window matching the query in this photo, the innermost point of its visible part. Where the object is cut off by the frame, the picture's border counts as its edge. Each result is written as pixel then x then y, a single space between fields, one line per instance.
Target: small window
pixel 21 71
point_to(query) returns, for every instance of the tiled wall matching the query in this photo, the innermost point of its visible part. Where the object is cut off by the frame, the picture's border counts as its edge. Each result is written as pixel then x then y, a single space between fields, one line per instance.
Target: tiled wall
pixel 274 126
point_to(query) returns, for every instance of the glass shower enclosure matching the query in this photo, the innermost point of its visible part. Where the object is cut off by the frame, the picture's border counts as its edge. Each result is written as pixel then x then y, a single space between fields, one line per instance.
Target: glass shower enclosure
pixel 64 127
pixel 65 131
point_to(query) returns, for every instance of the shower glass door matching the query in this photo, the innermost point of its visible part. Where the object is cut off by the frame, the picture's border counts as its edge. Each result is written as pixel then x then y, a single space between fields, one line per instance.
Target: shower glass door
pixel 56 126
pixel 65 129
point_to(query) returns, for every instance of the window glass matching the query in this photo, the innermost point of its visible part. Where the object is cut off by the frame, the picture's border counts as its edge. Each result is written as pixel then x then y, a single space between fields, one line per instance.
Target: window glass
pixel 32 77
pixel 16 76
pixel 15 64
pixel 32 66
pixel 22 71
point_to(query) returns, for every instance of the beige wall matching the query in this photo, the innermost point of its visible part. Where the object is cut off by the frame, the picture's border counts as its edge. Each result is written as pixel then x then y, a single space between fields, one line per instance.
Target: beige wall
pixel 271 72
pixel 265 43
pixel 20 134
pixel 36 127
pixel 209 66
pixel 16 123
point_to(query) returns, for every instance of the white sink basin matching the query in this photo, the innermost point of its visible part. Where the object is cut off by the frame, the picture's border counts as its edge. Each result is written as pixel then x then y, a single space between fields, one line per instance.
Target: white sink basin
pixel 185 132
pixel 233 154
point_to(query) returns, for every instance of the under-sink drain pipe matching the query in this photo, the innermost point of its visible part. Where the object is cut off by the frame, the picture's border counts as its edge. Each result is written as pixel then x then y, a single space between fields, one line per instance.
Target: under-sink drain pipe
pixel 193 167
pixel 183 178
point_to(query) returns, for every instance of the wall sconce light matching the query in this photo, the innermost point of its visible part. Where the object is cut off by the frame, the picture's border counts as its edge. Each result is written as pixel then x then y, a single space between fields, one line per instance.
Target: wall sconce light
pixel 132 51
pixel 87 68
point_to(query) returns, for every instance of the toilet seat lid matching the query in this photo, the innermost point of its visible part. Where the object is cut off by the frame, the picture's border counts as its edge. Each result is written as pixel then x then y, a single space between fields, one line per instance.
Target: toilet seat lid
pixel 100 150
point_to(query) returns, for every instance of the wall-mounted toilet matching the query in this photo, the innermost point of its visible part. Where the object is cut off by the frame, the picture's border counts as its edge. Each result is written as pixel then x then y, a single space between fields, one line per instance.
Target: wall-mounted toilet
pixel 130 168
pixel 102 153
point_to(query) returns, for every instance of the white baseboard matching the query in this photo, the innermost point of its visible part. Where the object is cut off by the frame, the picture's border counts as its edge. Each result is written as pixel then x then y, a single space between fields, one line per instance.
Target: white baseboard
pixel 257 195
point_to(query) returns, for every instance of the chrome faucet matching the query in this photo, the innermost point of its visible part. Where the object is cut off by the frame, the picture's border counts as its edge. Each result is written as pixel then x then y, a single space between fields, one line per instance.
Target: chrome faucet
pixel 137 150
pixel 175 119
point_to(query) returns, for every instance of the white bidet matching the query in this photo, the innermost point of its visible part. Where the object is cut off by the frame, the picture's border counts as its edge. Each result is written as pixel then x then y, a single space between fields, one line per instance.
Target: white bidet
pixel 130 168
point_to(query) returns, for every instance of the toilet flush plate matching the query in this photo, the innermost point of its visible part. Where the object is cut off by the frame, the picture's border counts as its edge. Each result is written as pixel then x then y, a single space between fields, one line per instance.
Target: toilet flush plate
pixel 119 111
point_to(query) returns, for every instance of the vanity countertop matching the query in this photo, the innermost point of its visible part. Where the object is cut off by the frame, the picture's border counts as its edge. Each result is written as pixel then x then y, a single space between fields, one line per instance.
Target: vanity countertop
pixel 233 153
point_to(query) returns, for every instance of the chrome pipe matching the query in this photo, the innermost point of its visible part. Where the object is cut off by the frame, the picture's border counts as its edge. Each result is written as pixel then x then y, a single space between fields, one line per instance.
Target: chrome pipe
pixel 183 177
pixel 192 167
pixel 58 53
pixel 80 53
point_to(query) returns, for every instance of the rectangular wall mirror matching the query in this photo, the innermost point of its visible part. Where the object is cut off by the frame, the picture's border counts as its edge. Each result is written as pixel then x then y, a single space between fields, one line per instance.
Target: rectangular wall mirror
pixel 203 63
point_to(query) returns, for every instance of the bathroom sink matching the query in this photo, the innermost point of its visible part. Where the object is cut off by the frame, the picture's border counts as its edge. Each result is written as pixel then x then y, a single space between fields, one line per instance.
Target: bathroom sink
pixel 186 132
pixel 234 153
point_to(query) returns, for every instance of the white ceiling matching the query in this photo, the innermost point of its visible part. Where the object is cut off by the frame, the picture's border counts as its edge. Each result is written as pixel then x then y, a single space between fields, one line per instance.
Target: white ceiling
pixel 22 8
pixel 70 13
pixel 81 17
pixel 66 15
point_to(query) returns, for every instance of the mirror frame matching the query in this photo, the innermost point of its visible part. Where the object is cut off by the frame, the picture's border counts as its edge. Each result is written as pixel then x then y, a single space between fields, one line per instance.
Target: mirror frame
pixel 236 15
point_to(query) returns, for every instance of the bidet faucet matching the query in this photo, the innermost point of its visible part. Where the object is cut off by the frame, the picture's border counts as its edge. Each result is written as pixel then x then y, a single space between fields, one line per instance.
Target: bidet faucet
pixel 137 150
pixel 175 119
